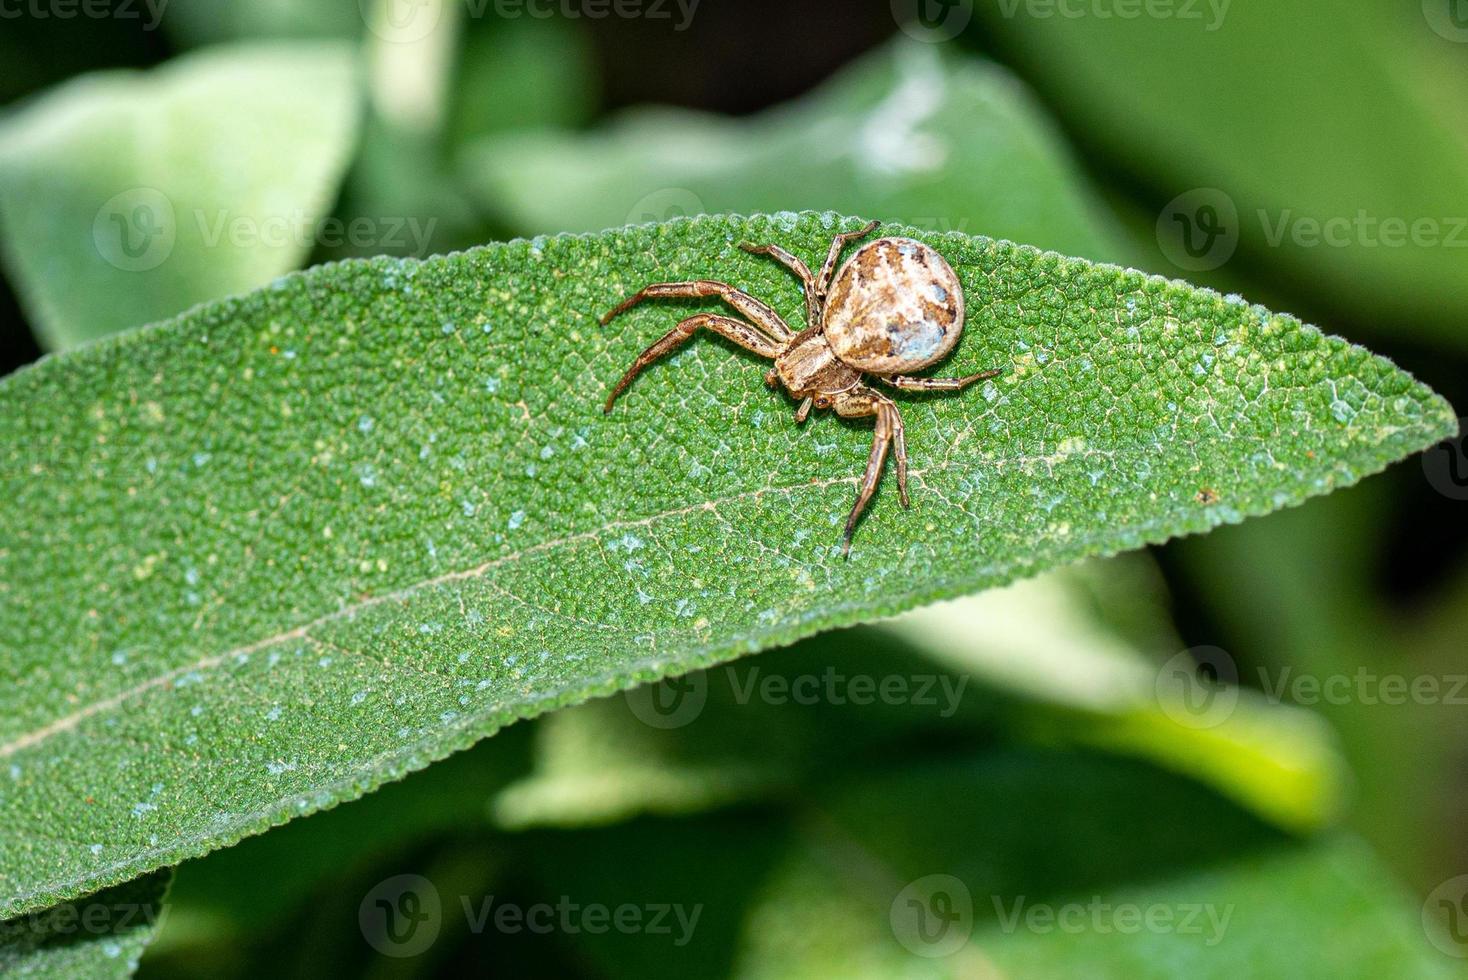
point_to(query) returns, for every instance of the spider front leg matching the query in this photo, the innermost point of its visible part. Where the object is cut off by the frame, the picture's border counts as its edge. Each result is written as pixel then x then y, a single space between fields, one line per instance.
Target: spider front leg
pixel 889 434
pixel 765 318
pixel 736 330
pixel 802 272
pixel 939 384
pixel 838 243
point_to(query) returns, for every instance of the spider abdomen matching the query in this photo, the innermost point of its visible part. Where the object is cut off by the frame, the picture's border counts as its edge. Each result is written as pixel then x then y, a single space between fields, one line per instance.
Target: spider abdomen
pixel 895 306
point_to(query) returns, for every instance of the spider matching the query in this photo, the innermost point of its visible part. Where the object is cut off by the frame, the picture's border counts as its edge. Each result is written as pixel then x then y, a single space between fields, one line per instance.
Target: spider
pixel 895 306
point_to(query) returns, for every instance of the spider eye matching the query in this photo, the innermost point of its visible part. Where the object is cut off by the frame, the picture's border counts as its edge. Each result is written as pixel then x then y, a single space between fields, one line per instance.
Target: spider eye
pixel 823 402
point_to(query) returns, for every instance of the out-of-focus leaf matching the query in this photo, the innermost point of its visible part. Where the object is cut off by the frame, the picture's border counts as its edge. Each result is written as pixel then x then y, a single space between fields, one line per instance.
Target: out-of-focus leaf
pixel 238 543
pixel 946 143
pixel 1020 867
pixel 100 936
pixel 1038 639
pixel 125 197
pixel 699 878
pixel 1021 863
pixel 755 729
pixel 1369 132
pixel 517 74
pixel 469 77
pixel 1308 626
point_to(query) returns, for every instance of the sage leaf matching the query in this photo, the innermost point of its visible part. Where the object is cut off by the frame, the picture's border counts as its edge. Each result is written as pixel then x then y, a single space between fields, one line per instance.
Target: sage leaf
pixel 288 546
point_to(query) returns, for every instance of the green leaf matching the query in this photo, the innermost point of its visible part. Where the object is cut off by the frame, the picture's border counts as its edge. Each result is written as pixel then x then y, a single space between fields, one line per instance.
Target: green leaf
pixel 430 95
pixel 1377 69
pixel 753 730
pixel 1088 687
pixel 1302 613
pixel 822 890
pixel 129 197
pixel 1052 856
pixel 291 545
pixel 520 74
pixel 942 142
pixel 99 936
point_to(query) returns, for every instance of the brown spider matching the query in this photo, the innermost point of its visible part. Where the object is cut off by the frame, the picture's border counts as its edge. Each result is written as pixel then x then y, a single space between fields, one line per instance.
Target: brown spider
pixel 894 306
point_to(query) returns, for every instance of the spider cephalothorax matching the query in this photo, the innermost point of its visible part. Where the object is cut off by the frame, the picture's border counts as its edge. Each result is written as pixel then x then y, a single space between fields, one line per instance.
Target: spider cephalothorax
pixel 895 306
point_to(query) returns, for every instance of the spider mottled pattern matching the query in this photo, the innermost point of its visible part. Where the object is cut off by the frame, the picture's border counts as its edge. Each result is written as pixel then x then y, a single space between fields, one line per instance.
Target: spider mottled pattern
pixel 895 306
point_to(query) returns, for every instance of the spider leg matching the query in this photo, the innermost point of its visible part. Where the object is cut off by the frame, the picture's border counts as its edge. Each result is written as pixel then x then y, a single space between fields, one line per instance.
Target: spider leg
pixel 837 244
pixel 939 384
pixel 889 429
pixel 899 449
pixel 801 270
pixel 765 318
pixel 803 410
pixel 741 333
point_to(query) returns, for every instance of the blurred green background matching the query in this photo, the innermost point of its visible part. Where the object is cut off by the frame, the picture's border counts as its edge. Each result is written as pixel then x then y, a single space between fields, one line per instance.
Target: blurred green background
pixel 1312 157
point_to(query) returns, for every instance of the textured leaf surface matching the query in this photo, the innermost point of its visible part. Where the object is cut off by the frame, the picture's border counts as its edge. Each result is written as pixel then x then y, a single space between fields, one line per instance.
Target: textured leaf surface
pixel 291 545
pixel 945 142
pixel 130 197
pixel 99 936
